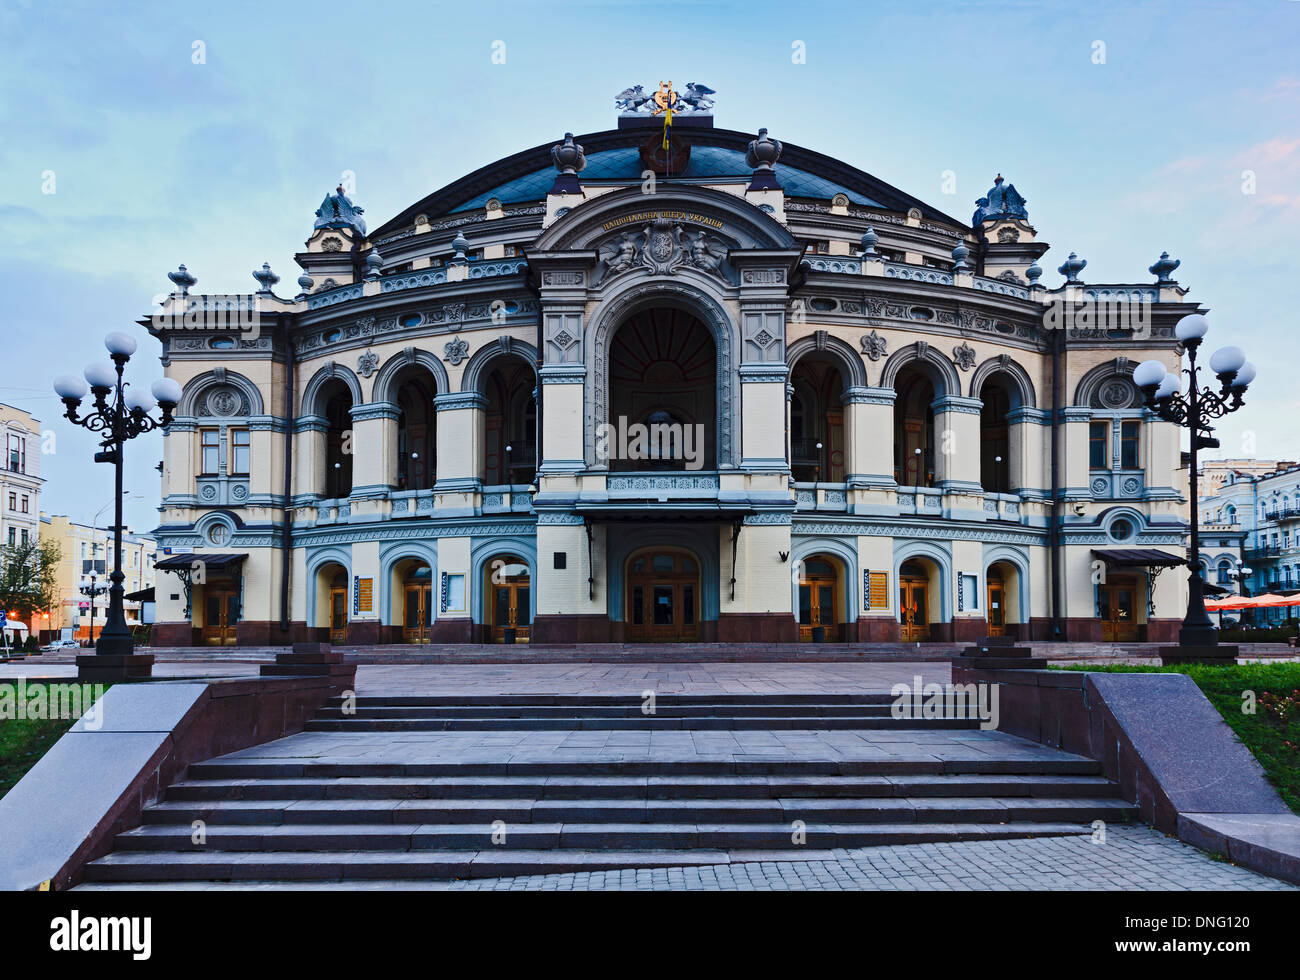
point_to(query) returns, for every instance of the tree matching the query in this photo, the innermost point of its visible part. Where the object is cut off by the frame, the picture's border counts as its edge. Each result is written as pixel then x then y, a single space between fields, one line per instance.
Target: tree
pixel 29 578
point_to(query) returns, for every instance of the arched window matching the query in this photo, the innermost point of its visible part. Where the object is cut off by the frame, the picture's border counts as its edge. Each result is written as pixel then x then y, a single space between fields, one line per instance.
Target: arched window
pixel 817 421
pixel 995 446
pixel 1224 576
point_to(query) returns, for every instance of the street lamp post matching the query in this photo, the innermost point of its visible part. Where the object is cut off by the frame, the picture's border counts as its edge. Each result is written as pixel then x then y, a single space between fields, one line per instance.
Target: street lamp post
pixel 1193 410
pixel 92 589
pixel 120 413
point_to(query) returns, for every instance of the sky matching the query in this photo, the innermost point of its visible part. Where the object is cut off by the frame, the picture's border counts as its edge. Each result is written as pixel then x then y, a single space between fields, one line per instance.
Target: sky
pixel 137 136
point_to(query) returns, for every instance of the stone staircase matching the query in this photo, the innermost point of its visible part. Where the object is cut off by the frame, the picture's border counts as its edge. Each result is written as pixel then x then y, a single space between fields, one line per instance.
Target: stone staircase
pixel 492 786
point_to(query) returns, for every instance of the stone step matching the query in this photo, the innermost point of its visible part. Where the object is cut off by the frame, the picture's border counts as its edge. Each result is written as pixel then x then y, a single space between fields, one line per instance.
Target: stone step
pixel 146 867
pixel 654 722
pixel 383 814
pixel 347 839
pixel 628 709
pixel 607 700
pixel 343 767
pixel 637 787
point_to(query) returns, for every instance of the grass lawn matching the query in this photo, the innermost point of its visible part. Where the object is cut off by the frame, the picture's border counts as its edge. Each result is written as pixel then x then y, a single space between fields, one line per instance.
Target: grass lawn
pixel 24 739
pixel 1272 732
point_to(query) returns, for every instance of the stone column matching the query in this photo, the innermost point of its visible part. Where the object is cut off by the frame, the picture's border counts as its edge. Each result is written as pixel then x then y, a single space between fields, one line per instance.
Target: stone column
pixel 957 444
pixel 309 443
pixel 1074 453
pixel 374 449
pixel 461 429
pixel 869 437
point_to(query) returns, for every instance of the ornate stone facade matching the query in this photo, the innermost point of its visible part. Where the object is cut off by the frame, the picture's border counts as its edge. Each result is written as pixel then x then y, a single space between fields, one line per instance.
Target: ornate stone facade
pixel 774 398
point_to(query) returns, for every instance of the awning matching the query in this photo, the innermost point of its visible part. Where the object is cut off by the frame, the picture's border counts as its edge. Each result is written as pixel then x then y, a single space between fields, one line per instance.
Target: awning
pixel 182 562
pixel 1209 588
pixel 13 626
pixel 1146 557
pixel 144 595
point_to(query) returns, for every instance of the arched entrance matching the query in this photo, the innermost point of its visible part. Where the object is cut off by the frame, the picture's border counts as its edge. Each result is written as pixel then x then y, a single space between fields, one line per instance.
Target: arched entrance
pixel 417 429
pixel 663 393
pixel 820 606
pixel 917 599
pixel 817 421
pixel 662 595
pixel 1002 585
pixel 338 440
pixel 508 606
pixel 417 600
pixel 332 601
pixel 510 422
pixel 995 445
pixel 914 460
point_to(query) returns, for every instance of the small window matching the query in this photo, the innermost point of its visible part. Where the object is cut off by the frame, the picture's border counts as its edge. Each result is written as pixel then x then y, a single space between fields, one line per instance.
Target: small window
pixel 24 537
pixel 239 452
pixel 1097 438
pixel 24 505
pixel 13 501
pixel 210 442
pixel 1128 444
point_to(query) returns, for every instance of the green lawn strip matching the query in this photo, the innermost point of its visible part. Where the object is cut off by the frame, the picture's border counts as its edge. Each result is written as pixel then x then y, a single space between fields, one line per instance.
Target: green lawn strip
pixel 1272 732
pixel 24 738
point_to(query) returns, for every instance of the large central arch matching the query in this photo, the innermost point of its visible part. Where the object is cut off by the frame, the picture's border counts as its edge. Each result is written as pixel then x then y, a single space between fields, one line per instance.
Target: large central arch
pixel 693 299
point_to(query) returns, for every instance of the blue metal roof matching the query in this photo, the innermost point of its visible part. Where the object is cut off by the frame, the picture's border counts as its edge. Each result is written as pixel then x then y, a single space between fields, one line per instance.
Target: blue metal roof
pixel 624 163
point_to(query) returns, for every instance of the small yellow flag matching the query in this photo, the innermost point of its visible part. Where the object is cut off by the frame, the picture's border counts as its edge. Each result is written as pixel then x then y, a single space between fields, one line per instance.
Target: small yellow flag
pixel 668 121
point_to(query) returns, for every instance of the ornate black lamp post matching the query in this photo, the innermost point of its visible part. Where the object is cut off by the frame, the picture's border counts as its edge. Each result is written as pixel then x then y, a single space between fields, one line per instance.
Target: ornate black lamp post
pixel 92 589
pixel 1193 410
pixel 121 412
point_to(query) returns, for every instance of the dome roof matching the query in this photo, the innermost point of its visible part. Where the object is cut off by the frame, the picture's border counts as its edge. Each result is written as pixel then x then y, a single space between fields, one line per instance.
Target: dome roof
pixel 614 156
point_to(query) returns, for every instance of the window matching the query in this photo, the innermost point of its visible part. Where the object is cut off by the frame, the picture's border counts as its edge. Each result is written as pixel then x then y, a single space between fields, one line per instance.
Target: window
pixel 239 452
pixel 24 505
pixel 1128 444
pixel 1098 433
pixel 1223 576
pixel 13 501
pixel 24 537
pixel 211 448
pixel 13 536
pixel 16 453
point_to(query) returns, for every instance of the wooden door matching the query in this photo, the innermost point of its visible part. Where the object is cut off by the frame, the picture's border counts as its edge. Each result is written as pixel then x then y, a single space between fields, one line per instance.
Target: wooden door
pixel 220 614
pixel 997 606
pixel 913 610
pixel 416 619
pixel 1118 600
pixel 511 601
pixel 818 600
pixel 663 595
pixel 338 614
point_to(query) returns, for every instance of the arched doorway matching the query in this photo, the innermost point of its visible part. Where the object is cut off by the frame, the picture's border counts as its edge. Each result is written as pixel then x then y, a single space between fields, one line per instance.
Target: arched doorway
pixel 914 429
pixel 917 600
pixel 662 393
pixel 995 444
pixel 332 601
pixel 662 595
pixel 510 433
pixel 417 429
pixel 817 421
pixel 337 482
pixel 416 578
pixel 507 605
pixel 820 592
pixel 1002 585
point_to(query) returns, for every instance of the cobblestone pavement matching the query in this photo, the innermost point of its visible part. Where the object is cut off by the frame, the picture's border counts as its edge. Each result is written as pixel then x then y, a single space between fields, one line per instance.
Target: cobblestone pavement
pixel 1133 858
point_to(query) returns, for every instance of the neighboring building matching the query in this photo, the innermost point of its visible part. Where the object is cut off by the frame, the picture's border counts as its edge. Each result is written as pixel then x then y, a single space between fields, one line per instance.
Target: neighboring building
pixel 1267 507
pixel 1214 472
pixel 85 548
pixel 871 380
pixel 20 482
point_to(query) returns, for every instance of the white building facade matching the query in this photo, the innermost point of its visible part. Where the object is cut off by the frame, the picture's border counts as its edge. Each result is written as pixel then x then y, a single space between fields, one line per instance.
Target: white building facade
pixel 730 391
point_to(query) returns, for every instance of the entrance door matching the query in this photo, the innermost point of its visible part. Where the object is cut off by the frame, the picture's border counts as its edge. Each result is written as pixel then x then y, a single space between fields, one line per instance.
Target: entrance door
pixel 416 620
pixel 220 614
pixel 1118 599
pixel 997 605
pixel 663 595
pixel 511 597
pixel 913 609
pixel 818 588
pixel 338 614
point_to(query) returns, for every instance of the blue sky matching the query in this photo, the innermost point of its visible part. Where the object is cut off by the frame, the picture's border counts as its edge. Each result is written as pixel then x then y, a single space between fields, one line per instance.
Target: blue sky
pixel 158 160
